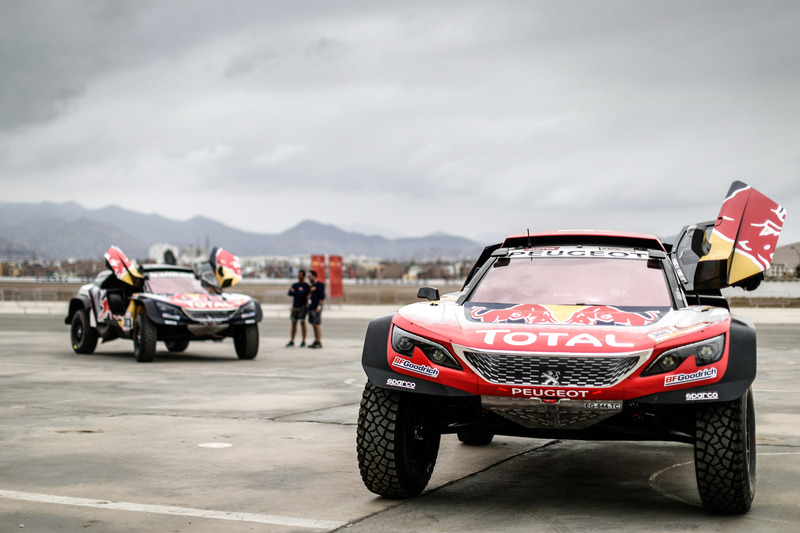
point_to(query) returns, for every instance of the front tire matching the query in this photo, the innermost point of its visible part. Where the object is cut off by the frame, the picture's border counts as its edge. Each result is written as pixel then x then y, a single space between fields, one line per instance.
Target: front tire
pixel 725 455
pixel 144 338
pixel 82 335
pixel 396 449
pixel 245 340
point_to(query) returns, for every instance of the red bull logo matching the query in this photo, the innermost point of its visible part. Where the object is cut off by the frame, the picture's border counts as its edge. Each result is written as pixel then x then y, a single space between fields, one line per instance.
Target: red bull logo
pixel 593 315
pixel 523 313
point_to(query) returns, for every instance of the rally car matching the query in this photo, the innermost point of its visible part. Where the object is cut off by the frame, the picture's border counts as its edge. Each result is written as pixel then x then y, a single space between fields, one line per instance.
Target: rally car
pixel 579 335
pixel 168 303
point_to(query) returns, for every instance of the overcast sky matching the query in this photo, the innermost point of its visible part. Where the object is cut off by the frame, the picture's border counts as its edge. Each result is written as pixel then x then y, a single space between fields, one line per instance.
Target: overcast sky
pixel 408 117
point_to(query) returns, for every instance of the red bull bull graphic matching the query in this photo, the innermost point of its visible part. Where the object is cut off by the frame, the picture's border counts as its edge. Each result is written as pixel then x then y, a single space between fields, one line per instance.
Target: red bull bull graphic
pixel 746 233
pixel 227 267
pixel 591 315
pixel 123 268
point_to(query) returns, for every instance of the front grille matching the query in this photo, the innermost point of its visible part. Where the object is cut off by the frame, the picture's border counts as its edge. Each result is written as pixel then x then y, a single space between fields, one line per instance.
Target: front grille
pixel 553 371
pixel 210 315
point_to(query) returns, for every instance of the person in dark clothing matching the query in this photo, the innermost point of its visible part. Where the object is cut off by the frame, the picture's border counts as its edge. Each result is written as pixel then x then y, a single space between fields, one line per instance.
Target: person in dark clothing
pixel 315 298
pixel 299 291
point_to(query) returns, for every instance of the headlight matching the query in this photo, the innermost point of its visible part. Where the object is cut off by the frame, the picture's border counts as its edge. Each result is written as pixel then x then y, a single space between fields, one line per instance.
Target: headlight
pixel 404 343
pixel 169 312
pixel 248 310
pixel 704 353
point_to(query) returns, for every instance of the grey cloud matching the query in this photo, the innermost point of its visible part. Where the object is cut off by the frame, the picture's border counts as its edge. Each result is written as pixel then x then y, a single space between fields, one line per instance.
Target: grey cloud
pixel 547 112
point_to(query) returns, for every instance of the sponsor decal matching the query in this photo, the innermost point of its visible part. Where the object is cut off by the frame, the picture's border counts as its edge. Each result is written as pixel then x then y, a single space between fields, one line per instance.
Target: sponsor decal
pixel 580 252
pixel 697 396
pixel 670 332
pixel 603 405
pixel 590 315
pixel 526 338
pixel 700 375
pixel 534 392
pixel 170 274
pixel 425 370
pixel 401 383
pixel 199 301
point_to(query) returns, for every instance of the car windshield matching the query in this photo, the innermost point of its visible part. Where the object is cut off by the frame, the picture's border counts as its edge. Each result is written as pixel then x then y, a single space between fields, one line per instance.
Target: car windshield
pixel 573 281
pixel 174 283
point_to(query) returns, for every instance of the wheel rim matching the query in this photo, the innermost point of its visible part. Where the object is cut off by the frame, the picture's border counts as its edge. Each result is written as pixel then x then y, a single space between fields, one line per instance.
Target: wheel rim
pixel 417 446
pixel 77 333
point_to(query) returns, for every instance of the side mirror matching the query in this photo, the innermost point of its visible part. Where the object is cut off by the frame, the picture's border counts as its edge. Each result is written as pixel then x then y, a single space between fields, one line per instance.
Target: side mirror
pixel 429 293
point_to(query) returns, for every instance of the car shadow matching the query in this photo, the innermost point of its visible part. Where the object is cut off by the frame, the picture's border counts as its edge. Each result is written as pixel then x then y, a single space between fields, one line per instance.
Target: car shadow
pixel 164 357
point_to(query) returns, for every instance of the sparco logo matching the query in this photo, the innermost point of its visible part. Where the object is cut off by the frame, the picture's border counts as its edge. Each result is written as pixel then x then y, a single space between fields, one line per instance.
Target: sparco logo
pixel 400 383
pixel 695 396
pixel 700 375
pixel 425 370
pixel 551 377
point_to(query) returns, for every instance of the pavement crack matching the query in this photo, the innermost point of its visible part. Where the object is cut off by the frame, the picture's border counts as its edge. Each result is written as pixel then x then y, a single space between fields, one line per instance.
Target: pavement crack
pixel 448 484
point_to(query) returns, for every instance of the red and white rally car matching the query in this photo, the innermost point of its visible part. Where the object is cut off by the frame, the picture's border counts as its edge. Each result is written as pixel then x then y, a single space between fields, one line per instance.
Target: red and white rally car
pixel 579 334
pixel 167 303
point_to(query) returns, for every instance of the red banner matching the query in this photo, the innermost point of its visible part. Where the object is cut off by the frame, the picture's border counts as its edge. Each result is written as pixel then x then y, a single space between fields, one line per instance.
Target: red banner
pixel 318 265
pixel 335 264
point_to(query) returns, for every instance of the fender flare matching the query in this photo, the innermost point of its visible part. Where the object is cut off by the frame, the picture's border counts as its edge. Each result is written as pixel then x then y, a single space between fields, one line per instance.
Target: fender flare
pixel 739 375
pixel 80 301
pixel 150 309
pixel 375 362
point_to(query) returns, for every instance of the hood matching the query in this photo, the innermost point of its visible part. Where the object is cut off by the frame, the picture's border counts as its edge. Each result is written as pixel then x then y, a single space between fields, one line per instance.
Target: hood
pixel 563 329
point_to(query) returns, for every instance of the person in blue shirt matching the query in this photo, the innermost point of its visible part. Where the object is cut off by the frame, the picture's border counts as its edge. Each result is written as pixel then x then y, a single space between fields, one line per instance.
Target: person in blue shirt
pixel 315 297
pixel 299 291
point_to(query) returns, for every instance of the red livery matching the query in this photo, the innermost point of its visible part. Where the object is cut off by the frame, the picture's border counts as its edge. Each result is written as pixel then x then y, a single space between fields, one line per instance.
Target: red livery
pixel 579 334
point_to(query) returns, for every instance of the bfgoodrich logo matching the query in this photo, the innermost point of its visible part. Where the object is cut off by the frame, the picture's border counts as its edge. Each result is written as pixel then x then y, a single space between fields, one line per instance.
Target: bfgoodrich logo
pixel 425 370
pixel 700 375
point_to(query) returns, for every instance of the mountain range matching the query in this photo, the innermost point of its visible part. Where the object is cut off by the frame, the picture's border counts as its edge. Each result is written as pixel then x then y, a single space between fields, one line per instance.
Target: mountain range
pixel 67 230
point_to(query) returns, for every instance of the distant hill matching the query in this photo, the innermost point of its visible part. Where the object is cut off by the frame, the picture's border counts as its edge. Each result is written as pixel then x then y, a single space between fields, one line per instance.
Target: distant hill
pixel 10 251
pixel 67 230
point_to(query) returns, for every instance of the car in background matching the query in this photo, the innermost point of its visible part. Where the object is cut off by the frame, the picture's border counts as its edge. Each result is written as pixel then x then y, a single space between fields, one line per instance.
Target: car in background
pixel 169 303
pixel 591 335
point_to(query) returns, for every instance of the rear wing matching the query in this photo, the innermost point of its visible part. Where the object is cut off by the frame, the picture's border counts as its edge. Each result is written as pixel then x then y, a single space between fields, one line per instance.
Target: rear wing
pixel 736 248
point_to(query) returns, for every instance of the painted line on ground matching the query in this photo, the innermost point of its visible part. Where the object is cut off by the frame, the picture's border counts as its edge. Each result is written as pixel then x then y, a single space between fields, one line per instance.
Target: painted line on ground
pixel 177 511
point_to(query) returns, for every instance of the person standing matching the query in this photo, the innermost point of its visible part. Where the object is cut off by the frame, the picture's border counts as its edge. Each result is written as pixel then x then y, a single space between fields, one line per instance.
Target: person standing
pixel 299 291
pixel 315 298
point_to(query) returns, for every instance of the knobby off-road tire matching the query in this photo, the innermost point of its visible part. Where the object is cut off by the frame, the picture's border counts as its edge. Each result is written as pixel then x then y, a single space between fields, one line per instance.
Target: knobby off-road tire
pixel 177 346
pixel 396 452
pixel 475 439
pixel 245 340
pixel 144 338
pixel 82 335
pixel 725 455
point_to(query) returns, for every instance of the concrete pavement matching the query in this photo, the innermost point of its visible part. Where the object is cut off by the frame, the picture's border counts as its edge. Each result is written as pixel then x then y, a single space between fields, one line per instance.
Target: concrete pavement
pixel 204 442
